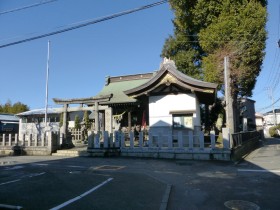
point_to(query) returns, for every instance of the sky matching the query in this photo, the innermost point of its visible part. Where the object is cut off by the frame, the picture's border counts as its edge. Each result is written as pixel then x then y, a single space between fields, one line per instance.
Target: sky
pixel 81 59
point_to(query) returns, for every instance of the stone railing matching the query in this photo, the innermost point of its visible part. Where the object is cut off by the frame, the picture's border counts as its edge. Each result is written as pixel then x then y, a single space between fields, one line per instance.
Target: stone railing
pixel 155 140
pixel 29 144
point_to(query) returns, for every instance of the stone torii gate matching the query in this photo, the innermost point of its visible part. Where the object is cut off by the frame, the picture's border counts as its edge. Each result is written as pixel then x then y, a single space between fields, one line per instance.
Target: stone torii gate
pixel 93 104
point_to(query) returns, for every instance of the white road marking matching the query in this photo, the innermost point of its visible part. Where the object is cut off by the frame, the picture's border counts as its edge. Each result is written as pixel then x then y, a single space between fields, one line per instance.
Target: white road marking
pixel 10 182
pixel 259 170
pixel 38 174
pixel 29 176
pixel 81 196
pixel 5 206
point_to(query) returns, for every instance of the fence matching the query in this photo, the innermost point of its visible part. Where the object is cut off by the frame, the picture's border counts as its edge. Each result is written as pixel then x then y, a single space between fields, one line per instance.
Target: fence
pixel 77 135
pixel 155 140
pixel 30 144
pixel 239 139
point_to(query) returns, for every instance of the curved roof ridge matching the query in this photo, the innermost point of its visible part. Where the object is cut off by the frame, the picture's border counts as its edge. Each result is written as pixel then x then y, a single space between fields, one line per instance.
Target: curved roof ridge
pixel 170 67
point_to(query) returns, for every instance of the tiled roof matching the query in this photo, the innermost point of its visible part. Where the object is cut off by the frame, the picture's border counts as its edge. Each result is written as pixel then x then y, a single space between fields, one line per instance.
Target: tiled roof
pixel 117 86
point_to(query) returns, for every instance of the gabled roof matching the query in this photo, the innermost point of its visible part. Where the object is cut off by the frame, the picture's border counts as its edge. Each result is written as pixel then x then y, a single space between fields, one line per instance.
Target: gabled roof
pixel 169 77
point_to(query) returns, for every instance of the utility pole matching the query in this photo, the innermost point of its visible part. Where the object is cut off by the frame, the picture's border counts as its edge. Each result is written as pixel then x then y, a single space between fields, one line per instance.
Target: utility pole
pixel 270 95
pixel 47 87
pixel 228 97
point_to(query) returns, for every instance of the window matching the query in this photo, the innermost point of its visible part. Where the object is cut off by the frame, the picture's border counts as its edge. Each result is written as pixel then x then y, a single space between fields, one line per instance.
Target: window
pixel 182 120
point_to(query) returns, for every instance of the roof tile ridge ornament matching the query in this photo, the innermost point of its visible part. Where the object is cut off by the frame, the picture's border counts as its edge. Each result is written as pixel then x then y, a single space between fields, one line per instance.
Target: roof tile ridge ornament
pixel 167 61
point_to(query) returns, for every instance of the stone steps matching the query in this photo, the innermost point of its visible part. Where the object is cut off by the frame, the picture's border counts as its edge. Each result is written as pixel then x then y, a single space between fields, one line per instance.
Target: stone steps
pixel 71 153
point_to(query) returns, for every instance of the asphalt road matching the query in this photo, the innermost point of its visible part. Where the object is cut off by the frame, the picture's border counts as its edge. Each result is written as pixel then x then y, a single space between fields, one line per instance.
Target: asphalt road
pixel 130 183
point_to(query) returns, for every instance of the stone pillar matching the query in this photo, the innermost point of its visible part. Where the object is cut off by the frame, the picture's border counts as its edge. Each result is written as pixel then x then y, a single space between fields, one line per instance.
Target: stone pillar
pixel 90 139
pixel 96 117
pixel 106 139
pixel 64 126
pixel 180 139
pixel 49 139
pixel 170 140
pixel 226 138
pixel 190 140
pixel 108 120
pixel 201 140
pixel 96 141
pixel 141 136
pixel 131 138
pixel 213 139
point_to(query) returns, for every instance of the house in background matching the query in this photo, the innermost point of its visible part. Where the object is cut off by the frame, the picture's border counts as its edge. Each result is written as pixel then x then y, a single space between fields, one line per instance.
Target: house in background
pixel 9 123
pixel 33 121
pixel 272 117
pixel 247 119
pixel 259 120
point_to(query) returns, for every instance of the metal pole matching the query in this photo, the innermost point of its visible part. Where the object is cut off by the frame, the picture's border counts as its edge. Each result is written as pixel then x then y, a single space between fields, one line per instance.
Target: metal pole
pixel 47 86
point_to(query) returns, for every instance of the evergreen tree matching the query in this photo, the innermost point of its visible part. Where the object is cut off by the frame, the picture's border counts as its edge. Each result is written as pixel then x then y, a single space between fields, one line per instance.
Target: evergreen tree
pixel 86 120
pixel 77 122
pixel 207 30
pixel 15 108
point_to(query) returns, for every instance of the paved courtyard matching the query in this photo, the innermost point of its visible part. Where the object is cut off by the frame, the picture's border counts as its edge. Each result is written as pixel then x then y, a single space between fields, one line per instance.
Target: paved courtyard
pixel 129 183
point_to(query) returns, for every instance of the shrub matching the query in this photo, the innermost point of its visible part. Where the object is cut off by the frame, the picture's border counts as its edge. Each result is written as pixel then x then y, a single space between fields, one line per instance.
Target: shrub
pixel 273 131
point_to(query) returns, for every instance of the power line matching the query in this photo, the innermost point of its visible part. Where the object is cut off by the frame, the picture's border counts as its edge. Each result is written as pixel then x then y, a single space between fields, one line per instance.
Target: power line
pixel 26 7
pixel 91 22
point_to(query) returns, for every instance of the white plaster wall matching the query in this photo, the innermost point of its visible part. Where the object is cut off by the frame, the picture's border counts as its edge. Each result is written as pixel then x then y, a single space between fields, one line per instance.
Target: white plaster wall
pixel 160 107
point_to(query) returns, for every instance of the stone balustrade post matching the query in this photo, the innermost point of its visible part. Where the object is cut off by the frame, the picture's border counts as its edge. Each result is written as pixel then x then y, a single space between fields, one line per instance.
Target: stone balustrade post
pixel 117 136
pixel 122 140
pixel 36 140
pixel 106 139
pixel 141 137
pixel 201 140
pixel 29 140
pixel 97 141
pixel 61 137
pixel 226 138
pixel 16 139
pixel 131 138
pixel 90 139
pixel 160 140
pixel 150 142
pixel 170 140
pixel 10 140
pixel 180 139
pixel 213 139
pixel 191 140
pixel 49 137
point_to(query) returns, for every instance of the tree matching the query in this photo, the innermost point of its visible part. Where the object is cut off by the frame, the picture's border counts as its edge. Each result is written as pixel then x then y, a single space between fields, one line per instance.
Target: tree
pixel 237 31
pixel 183 46
pixel 207 30
pixel 15 108
pixel 86 120
pixel 77 122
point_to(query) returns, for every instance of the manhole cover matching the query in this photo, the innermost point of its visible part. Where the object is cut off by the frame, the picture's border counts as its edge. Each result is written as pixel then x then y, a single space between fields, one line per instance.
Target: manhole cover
pixel 108 167
pixel 241 205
